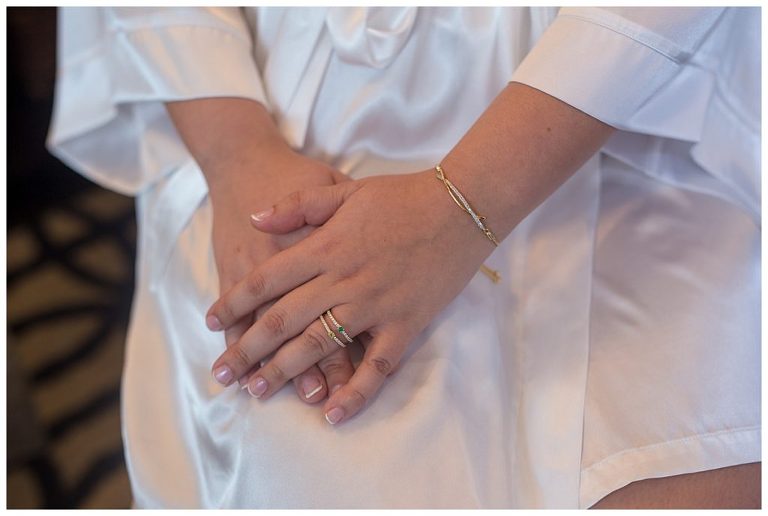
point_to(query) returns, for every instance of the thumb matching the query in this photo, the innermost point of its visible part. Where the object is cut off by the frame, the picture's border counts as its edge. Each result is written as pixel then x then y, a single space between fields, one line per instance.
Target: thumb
pixel 312 206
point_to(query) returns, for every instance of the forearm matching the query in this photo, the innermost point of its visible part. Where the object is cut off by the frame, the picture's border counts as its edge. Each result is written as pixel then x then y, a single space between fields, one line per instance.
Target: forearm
pixel 523 147
pixel 412 254
pixel 223 134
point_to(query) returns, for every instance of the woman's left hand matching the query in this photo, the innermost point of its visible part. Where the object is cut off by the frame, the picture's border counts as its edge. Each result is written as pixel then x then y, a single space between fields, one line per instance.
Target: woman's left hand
pixel 390 253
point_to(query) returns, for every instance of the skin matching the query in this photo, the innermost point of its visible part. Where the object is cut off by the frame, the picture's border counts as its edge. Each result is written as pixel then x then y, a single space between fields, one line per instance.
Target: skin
pixel 249 165
pixel 735 487
pixel 519 151
pixel 520 134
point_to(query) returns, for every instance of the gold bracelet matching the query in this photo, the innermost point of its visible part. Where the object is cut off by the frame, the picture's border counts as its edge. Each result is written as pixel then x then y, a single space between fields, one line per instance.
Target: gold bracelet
pixel 463 203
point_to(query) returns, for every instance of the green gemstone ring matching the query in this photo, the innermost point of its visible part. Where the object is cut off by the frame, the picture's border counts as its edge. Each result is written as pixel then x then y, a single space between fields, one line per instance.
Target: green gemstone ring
pixel 342 331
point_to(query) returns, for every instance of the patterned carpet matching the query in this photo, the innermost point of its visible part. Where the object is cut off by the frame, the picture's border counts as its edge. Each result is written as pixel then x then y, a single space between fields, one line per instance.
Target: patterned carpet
pixel 70 279
pixel 69 289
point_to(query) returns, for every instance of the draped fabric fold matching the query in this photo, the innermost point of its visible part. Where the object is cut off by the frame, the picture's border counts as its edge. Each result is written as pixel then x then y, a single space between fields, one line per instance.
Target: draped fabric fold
pixel 517 395
pixel 117 66
pixel 370 36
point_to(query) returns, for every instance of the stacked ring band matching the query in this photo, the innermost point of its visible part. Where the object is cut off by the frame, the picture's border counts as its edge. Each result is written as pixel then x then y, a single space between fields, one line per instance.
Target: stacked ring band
pixel 330 333
pixel 339 327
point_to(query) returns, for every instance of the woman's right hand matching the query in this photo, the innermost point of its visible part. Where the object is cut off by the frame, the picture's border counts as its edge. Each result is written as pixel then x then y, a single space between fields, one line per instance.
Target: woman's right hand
pixel 247 164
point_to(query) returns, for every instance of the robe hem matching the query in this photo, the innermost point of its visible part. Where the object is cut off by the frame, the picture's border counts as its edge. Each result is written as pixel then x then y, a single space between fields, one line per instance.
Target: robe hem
pixel 686 455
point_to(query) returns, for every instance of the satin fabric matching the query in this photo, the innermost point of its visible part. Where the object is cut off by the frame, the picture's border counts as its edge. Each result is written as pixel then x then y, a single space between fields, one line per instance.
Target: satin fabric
pixel 623 340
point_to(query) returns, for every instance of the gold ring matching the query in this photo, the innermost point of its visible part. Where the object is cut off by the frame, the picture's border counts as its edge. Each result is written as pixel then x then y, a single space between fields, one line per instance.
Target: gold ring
pixel 330 333
pixel 339 327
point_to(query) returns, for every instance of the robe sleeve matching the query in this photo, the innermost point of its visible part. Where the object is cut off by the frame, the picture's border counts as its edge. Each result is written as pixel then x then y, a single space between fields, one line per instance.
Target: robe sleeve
pixel 117 66
pixel 682 85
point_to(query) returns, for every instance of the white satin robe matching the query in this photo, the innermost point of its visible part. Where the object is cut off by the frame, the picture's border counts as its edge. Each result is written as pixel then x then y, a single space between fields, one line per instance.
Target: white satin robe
pixel 623 340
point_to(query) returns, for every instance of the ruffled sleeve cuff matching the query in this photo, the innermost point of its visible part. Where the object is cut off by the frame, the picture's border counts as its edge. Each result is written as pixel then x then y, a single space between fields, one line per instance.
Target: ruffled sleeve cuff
pixel 109 122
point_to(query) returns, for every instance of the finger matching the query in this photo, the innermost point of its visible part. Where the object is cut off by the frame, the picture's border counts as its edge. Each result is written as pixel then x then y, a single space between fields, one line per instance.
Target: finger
pixel 313 345
pixel 365 340
pixel 337 368
pixel 243 380
pixel 379 361
pixel 294 237
pixel 311 385
pixel 233 333
pixel 277 275
pixel 291 314
pixel 312 206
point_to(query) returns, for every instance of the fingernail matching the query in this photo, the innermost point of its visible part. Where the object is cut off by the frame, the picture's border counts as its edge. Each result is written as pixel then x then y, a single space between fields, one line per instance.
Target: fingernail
pixel 259 217
pixel 213 323
pixel 310 386
pixel 258 387
pixel 223 375
pixel 334 415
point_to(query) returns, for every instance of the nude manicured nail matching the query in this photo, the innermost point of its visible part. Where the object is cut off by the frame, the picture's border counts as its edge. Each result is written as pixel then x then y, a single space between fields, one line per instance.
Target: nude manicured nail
pixel 223 375
pixel 258 387
pixel 310 386
pixel 260 216
pixel 334 415
pixel 213 323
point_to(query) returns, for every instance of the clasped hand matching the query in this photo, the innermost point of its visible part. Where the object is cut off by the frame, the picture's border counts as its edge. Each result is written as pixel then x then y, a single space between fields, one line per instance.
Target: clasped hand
pixel 389 254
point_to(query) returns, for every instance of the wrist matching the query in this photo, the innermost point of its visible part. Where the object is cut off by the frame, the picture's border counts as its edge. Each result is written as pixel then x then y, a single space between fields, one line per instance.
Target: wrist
pixel 261 176
pixel 483 194
pixel 226 136
pixel 523 147
pixel 225 171
pixel 263 165
pixel 449 222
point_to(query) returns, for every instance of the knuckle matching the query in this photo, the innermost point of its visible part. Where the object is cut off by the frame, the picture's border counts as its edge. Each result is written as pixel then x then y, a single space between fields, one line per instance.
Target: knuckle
pixel 240 356
pixel 335 367
pixel 357 398
pixel 224 311
pixel 295 198
pixel 277 373
pixel 381 365
pixel 315 342
pixel 327 245
pixel 256 285
pixel 375 289
pixel 275 322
